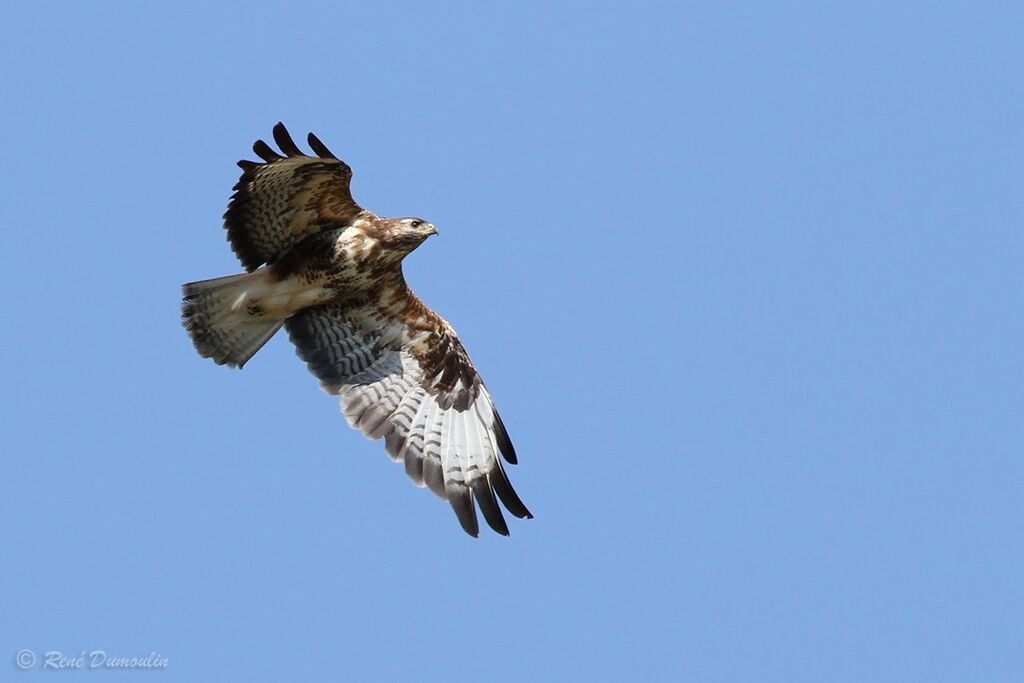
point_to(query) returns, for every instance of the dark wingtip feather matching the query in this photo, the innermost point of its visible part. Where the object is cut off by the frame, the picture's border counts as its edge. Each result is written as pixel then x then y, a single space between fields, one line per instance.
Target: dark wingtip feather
pixel 265 152
pixel 504 443
pixel 414 468
pixel 284 140
pixel 319 147
pixel 489 506
pixel 506 493
pixel 462 502
pixel 247 165
pixel 433 476
pixel 393 442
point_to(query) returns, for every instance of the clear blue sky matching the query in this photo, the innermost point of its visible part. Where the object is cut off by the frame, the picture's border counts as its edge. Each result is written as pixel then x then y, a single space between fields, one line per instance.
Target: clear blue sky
pixel 745 283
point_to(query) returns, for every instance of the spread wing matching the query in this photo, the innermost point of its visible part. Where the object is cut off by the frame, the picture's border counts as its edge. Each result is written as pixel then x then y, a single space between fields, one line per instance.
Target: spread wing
pixel 286 198
pixel 416 388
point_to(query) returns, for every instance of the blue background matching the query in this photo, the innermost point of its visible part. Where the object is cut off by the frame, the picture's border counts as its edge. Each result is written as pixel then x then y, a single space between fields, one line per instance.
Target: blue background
pixel 745 283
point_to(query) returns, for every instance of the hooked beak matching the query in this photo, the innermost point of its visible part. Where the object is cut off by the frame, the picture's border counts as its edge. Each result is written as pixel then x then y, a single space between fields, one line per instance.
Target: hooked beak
pixel 431 230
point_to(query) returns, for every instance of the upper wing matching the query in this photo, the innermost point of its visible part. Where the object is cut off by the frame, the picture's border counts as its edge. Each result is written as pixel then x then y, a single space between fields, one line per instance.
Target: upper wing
pixel 286 198
pixel 418 390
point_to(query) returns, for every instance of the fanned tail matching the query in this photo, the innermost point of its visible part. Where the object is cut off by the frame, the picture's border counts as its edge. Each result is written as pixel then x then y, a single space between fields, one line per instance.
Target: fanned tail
pixel 222 320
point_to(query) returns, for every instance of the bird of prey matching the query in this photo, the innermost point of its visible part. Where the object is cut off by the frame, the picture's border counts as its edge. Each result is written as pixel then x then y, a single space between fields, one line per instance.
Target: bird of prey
pixel 330 272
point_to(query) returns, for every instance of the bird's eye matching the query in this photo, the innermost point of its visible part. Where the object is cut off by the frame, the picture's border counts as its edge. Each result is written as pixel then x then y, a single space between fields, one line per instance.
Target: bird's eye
pixel 417 224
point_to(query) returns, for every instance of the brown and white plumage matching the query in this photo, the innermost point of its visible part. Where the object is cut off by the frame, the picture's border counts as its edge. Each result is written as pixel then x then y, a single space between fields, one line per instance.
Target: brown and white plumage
pixel 287 198
pixel 330 273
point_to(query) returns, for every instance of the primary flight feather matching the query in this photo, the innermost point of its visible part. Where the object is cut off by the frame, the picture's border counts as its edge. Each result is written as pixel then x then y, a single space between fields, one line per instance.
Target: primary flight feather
pixel 330 272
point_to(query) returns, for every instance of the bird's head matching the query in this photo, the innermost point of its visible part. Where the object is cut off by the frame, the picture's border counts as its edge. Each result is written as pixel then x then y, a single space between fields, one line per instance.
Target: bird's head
pixel 405 234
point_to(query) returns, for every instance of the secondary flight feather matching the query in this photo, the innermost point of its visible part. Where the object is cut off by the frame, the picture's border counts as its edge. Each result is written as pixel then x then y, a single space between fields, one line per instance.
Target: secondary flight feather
pixel 330 273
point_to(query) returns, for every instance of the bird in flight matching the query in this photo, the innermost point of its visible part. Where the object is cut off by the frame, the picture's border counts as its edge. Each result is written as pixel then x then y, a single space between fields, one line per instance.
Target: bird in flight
pixel 330 273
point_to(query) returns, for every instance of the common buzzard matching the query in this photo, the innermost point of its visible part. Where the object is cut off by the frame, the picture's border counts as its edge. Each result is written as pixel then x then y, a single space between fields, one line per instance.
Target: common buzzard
pixel 330 272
